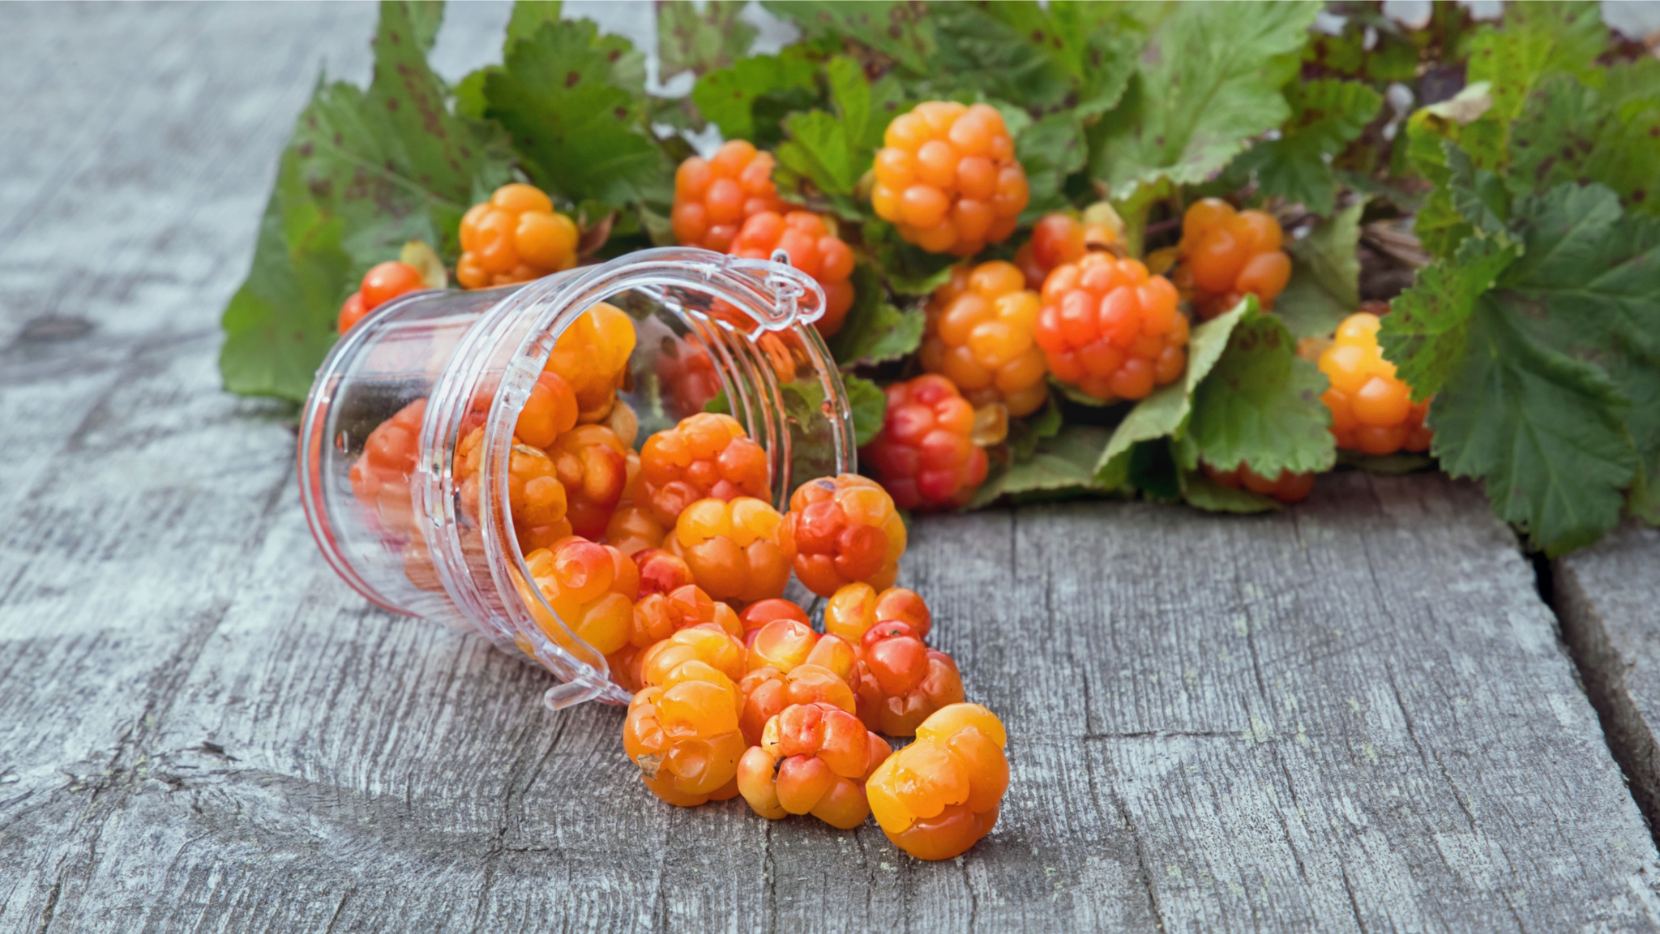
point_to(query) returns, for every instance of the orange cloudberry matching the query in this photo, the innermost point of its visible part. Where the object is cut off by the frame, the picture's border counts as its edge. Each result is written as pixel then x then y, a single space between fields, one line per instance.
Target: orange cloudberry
pixel 947 177
pixel 812 759
pixel 1287 487
pixel 938 796
pixel 1111 330
pixel 591 587
pixel 1058 239
pixel 846 529
pixel 705 455
pixel 767 691
pixel 925 455
pixel 854 609
pixel 714 196
pixel 813 248
pixel 592 357
pixel 515 236
pixel 683 734
pixel 899 681
pixel 382 283
pixel 980 335
pixel 660 615
pixel 1371 408
pixel 1227 254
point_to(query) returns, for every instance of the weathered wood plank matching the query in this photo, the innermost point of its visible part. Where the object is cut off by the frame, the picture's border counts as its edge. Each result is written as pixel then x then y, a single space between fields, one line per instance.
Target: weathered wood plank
pixel 1608 597
pixel 1353 712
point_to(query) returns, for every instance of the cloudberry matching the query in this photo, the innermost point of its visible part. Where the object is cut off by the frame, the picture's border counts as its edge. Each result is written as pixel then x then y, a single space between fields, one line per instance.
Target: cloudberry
pixel 382 283
pixel 947 178
pixel 592 356
pixel 813 248
pixel 549 411
pixel 661 572
pixel 899 681
pixel 1226 254
pixel 812 759
pixel 633 526
pixel 590 586
pixel 762 612
pixel 925 455
pixel 714 196
pixel 854 609
pixel 660 615
pixel 739 550
pixel 1371 408
pixel 380 475
pixel 516 236
pixel 938 796
pixel 1287 487
pixel 705 455
pixel 687 374
pixel 1110 329
pixel 1058 239
pixel 707 643
pixel 846 529
pixel 683 734
pixel 785 644
pixel 979 335
pixel 767 691
pixel 536 497
pixel 592 464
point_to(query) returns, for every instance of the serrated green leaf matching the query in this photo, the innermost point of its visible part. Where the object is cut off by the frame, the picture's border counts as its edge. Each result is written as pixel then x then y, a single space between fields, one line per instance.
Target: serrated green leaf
pixel 1260 407
pixel 575 116
pixel 875 331
pixel 1065 461
pixel 749 99
pixel 1201 492
pixel 1327 115
pixel 1542 431
pixel 898 30
pixel 833 151
pixel 1325 275
pixel 1570 132
pixel 365 172
pixel 1049 150
pixel 869 405
pixel 698 40
pixel 1424 332
pixel 1209 80
pixel 528 18
pixel 1165 412
pixel 1533 40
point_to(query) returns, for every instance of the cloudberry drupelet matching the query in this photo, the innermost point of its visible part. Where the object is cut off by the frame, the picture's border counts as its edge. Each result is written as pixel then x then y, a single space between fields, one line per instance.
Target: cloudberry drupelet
pixel 590 586
pixel 683 734
pixel 1058 239
pixel 592 356
pixel 382 283
pixel 925 455
pixel 714 196
pixel 854 609
pixel 938 796
pixel 661 572
pixel 813 248
pixel 1287 487
pixel 980 336
pixel 707 643
pixel 1111 330
pixel 1371 408
pixel 1226 254
pixel 762 612
pixel 706 455
pixel 767 691
pixel 812 759
pixel 516 236
pixel 785 644
pixel 846 529
pixel 899 681
pixel 947 177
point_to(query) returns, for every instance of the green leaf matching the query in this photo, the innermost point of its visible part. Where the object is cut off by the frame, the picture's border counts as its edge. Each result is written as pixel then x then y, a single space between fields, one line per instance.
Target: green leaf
pixel 1064 461
pixel 1201 492
pixel 280 323
pixel 1049 150
pixel 833 151
pixel 897 30
pixel 875 331
pixel 699 40
pixel 1424 332
pixel 1534 40
pixel 1260 407
pixel 577 118
pixel 1165 412
pixel 870 407
pixel 1325 275
pixel 749 99
pixel 906 270
pixel 1209 80
pixel 1327 115
pixel 527 19
pixel 1541 430
pixel 1570 132
pixel 365 173
pixel 1402 463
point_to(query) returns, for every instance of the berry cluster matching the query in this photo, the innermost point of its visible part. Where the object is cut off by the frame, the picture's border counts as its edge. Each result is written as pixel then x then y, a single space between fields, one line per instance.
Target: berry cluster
pixel 1227 254
pixel 1371 408
pixel 1110 329
pixel 382 283
pixel 713 197
pixel 925 455
pixel 947 178
pixel 516 236
pixel 980 336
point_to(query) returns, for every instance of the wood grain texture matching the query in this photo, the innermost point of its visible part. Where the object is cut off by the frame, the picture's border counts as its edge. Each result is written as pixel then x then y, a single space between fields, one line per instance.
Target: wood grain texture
pixel 1609 600
pixel 1355 713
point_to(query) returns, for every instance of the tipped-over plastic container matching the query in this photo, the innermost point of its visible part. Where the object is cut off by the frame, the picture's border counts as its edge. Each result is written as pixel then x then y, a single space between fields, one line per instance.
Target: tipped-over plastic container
pixel 438 363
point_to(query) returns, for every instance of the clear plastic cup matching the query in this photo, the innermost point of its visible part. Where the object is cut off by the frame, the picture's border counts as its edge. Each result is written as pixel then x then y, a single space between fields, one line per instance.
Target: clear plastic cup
pixel 439 362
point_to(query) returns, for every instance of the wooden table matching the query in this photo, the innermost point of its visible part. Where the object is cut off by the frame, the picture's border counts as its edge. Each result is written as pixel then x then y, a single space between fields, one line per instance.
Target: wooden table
pixel 1358 713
